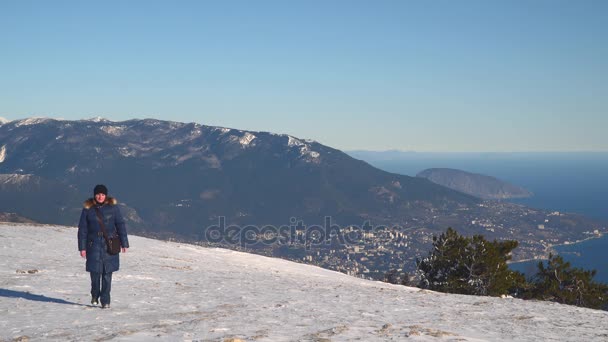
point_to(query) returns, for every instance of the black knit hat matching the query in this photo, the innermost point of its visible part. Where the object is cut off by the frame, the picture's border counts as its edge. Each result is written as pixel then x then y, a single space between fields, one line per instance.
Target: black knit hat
pixel 100 189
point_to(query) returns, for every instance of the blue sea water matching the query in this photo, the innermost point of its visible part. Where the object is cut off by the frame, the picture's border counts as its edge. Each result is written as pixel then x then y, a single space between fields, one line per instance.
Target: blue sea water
pixel 590 254
pixel 565 182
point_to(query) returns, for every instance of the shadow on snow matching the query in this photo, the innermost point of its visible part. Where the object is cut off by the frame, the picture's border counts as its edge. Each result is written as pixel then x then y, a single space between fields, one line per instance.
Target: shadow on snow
pixel 29 296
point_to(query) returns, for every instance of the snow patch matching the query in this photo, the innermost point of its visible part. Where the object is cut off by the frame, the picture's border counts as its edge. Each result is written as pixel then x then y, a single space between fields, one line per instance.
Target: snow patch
pixel 151 122
pixel 98 119
pixel 246 139
pixel 2 153
pixel 172 291
pixel 13 178
pixel 305 148
pixel 114 130
pixel 223 130
pixel 126 152
pixel 294 142
pixel 195 133
pixel 309 154
pixel 31 121
pixel 3 121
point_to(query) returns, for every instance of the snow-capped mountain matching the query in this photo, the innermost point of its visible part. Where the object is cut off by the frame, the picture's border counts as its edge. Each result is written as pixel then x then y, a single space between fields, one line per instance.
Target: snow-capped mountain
pixel 184 175
pixel 176 179
pixel 163 291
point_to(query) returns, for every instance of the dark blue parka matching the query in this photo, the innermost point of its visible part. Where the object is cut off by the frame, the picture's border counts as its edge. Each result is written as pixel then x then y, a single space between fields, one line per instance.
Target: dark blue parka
pixel 91 239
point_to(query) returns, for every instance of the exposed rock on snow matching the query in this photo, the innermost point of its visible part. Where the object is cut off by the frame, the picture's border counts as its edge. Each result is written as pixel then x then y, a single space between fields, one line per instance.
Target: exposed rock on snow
pixel 184 292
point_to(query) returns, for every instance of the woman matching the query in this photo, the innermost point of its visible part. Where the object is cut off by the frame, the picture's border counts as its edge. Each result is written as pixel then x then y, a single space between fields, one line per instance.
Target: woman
pixel 92 244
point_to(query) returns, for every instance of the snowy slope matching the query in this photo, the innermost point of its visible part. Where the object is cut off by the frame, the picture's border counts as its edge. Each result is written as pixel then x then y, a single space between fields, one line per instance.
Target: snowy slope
pixel 181 292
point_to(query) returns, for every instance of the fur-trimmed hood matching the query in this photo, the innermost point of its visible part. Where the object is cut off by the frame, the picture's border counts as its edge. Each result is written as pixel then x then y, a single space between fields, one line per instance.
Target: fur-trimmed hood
pixel 91 202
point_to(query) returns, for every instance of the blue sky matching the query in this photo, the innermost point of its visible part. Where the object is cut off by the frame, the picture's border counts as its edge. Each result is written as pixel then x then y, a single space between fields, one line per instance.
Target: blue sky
pixel 376 75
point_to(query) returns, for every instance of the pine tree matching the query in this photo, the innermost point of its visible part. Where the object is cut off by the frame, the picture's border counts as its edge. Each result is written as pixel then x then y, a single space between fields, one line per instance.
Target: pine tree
pixel 559 282
pixel 473 265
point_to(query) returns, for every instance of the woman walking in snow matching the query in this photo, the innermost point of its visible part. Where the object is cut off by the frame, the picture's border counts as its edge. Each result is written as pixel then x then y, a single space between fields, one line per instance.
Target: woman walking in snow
pixel 92 243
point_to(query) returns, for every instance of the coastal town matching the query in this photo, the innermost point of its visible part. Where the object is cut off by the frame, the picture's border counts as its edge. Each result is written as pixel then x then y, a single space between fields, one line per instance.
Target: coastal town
pixel 370 252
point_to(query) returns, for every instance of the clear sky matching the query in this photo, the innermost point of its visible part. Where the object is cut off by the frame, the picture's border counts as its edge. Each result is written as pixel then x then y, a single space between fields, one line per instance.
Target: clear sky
pixel 411 75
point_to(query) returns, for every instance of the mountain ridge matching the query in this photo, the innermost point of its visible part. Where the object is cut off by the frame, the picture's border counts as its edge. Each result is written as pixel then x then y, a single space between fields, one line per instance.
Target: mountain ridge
pixel 259 191
pixel 475 184
pixel 225 160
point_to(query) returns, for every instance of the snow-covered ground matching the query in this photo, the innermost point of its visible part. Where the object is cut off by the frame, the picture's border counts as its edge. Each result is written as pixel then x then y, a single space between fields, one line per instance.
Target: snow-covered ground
pixel 171 291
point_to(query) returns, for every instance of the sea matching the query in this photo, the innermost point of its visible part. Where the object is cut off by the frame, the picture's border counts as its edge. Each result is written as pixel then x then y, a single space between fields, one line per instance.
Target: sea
pixel 573 182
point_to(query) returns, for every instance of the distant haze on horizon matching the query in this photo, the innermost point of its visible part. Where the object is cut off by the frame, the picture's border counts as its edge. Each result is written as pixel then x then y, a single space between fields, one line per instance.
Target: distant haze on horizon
pixel 441 76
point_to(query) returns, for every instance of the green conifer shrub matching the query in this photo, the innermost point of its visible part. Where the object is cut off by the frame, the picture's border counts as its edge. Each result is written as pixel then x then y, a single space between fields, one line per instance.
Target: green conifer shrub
pixel 469 265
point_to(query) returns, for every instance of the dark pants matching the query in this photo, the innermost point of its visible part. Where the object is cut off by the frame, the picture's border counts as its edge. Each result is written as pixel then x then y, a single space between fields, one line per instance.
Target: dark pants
pixel 102 293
